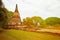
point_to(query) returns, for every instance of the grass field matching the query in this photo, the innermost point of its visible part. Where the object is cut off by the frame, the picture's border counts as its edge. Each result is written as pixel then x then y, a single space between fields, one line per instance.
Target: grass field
pixel 23 35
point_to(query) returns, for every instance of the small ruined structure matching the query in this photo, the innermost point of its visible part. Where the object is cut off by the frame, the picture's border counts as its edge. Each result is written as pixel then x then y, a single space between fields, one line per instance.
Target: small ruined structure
pixel 16 19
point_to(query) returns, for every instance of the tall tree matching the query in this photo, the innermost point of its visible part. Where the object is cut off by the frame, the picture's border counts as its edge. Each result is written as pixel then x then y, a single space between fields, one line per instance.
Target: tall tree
pixel 1 4
pixel 3 15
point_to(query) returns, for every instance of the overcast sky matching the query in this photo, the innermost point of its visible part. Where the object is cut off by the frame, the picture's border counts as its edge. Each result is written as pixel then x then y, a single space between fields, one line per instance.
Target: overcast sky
pixel 28 8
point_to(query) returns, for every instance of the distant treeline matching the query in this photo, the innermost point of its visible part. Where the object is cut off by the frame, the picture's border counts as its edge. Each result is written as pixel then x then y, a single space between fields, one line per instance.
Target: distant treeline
pixel 40 22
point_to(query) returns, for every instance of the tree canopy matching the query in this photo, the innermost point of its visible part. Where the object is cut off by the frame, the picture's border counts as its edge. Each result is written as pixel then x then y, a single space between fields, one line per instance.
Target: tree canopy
pixel 5 15
pixel 52 20
pixel 38 21
pixel 1 4
pixel 35 20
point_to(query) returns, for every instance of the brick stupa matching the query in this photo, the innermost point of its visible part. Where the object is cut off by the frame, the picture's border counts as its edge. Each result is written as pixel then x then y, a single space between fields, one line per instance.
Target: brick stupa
pixel 16 19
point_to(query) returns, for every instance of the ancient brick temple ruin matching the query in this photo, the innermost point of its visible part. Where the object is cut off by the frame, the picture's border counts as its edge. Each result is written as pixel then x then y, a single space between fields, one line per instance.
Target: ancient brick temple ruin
pixel 16 19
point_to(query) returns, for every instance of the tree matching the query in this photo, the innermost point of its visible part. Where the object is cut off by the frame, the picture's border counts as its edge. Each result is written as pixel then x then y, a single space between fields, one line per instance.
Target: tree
pixel 9 14
pixel 52 21
pixel 35 21
pixel 38 21
pixel 27 21
pixel 3 15
pixel 1 4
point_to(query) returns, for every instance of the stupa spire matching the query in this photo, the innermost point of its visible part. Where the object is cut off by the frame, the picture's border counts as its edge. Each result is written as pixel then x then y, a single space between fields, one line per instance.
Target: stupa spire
pixel 16 9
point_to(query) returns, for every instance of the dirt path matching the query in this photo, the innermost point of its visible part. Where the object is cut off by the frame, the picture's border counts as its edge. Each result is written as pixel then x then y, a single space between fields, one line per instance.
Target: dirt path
pixel 49 31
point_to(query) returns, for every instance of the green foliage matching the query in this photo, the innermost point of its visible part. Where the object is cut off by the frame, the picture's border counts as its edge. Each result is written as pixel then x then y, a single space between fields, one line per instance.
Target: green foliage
pixel 52 21
pixel 27 21
pixel 5 15
pixel 35 20
pixel 38 21
pixel 1 4
pixel 10 14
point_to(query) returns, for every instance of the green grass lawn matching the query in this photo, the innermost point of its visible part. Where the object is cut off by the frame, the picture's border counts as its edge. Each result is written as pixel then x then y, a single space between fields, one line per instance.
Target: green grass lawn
pixel 23 35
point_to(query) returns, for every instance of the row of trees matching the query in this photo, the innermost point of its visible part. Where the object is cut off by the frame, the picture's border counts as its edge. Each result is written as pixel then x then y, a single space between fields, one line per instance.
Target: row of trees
pixel 38 21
